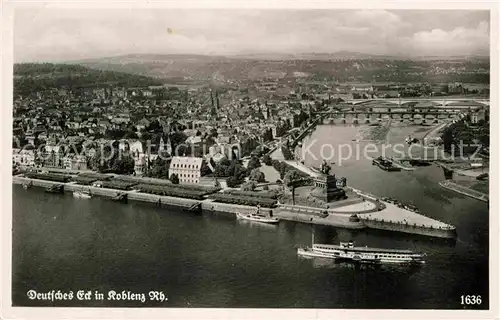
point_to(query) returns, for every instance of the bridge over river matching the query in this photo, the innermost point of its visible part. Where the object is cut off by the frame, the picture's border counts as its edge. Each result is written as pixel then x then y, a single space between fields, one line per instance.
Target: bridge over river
pixel 443 101
pixel 367 116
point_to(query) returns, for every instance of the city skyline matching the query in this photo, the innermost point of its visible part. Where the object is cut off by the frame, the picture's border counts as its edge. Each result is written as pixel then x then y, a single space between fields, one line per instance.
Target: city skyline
pixel 56 35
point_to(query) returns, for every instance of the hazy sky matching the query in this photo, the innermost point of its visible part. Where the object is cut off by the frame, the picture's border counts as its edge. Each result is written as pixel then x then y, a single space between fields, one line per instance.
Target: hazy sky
pixel 69 34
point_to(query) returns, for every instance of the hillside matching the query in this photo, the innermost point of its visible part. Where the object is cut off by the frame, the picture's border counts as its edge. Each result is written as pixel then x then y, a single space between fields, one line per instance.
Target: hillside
pixel 339 66
pixel 29 77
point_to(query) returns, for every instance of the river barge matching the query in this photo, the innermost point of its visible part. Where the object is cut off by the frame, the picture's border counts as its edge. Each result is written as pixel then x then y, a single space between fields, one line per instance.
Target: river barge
pixel 385 164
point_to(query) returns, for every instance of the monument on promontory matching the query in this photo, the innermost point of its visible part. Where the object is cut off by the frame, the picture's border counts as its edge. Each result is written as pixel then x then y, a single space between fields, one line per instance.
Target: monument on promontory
pixel 327 187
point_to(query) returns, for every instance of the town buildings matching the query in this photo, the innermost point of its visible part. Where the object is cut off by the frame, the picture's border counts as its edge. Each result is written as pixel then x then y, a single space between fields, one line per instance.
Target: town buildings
pixel 235 121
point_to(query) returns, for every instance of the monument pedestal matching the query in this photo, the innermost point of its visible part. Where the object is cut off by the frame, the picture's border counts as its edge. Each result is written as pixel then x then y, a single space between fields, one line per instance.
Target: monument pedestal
pixel 326 189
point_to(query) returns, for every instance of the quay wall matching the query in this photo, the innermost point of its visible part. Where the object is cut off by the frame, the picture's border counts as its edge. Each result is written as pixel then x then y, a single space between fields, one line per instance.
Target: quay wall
pixel 206 205
pixel 302 209
pixel 230 208
pixel 290 213
pixel 35 182
pixel 304 216
pixel 67 186
pixel 333 220
pixel 312 215
pixel 408 228
pixel 331 210
pixel 163 200
pixel 103 192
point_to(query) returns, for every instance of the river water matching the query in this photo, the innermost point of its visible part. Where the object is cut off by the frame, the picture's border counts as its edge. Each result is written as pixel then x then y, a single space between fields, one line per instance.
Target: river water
pixel 214 260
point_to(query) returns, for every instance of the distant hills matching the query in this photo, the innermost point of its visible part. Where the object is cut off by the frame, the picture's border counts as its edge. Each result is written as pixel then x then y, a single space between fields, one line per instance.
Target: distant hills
pixel 341 66
pixel 339 55
pixel 30 77
pixel 135 70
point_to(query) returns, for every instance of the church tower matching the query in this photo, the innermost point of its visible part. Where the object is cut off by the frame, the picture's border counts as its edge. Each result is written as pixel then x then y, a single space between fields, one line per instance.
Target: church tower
pixel 161 147
pixel 168 147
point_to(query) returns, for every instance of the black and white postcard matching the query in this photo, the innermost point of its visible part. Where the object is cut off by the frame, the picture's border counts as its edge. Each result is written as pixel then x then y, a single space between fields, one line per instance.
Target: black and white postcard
pixel 235 160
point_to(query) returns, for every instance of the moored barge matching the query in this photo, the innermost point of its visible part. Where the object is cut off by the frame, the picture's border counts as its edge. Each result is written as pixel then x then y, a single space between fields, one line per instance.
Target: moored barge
pixel 385 164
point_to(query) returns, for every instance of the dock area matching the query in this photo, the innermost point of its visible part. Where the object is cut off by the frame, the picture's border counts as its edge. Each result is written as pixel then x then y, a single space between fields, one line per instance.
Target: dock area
pixel 450 185
pixel 370 213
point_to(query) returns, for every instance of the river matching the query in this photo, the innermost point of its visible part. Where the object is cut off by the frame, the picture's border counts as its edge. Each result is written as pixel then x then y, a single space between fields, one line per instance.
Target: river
pixel 214 260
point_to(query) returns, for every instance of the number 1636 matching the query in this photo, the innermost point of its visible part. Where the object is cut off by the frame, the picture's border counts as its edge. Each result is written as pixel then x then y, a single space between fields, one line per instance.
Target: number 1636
pixel 469 299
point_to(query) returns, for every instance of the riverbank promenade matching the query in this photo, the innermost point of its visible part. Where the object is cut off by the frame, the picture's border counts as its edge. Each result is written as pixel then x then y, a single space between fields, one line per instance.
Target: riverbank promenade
pixel 394 214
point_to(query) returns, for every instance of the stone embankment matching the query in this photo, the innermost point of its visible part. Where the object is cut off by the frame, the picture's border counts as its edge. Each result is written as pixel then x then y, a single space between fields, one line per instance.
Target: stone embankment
pixel 371 213
pixel 391 217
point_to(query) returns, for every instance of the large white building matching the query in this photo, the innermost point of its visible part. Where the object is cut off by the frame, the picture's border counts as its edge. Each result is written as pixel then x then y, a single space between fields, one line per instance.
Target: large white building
pixel 188 169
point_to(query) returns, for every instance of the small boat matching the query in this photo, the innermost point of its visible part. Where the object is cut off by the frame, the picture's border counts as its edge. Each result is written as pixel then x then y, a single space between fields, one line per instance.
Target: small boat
pixel 82 195
pixel 57 188
pixel 120 197
pixel 27 185
pixel 257 218
pixel 346 251
pixel 194 208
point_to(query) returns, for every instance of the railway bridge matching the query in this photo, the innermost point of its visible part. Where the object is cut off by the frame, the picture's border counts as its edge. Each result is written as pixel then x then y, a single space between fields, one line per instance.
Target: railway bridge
pixel 368 111
pixel 367 116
